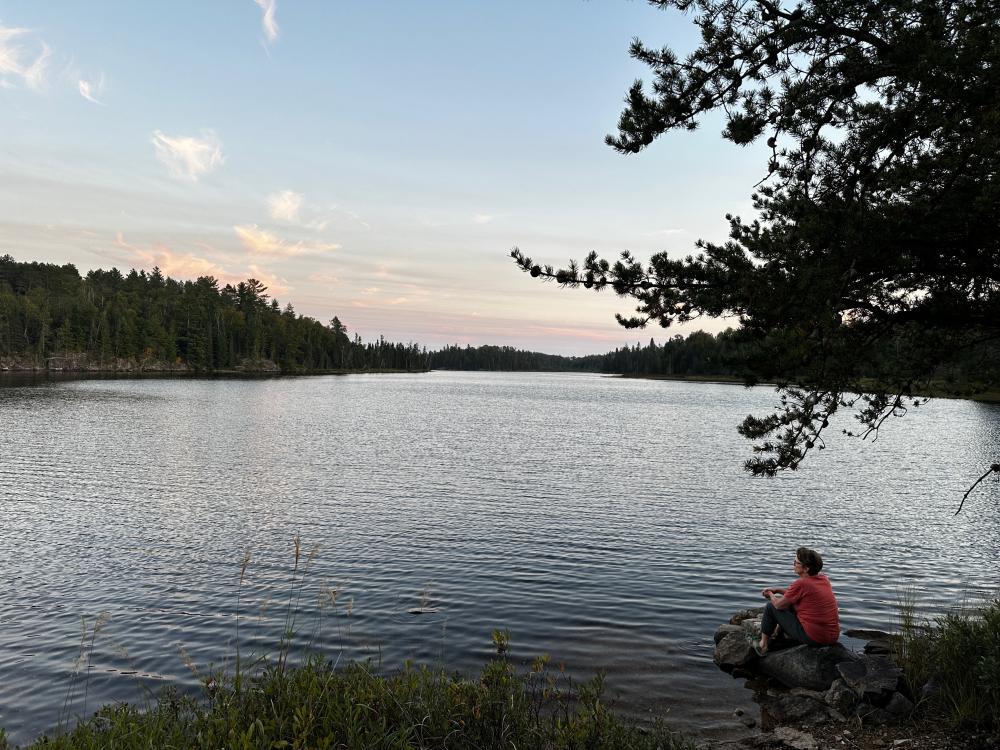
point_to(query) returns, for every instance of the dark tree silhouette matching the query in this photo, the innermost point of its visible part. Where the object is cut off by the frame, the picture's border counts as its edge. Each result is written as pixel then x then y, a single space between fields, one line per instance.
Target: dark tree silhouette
pixel 878 211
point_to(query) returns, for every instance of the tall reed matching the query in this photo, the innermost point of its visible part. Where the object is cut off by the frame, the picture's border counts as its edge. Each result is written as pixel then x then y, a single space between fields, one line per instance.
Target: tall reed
pixel 952 665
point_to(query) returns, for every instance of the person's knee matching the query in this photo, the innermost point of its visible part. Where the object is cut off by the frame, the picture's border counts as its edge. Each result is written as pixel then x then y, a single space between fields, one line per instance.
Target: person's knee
pixel 768 620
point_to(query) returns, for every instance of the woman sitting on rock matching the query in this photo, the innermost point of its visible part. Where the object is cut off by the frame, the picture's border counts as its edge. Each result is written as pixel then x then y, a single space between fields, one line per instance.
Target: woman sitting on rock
pixel 806 610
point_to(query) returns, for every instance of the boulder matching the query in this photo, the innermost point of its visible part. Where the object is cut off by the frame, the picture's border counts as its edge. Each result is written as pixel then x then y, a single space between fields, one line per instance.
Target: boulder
pixel 817 695
pixel 746 614
pixel 725 630
pixel 866 634
pixel 879 647
pixel 871 675
pixel 812 667
pixel 793 738
pixel 809 685
pixel 900 706
pixel 781 707
pixel 876 641
pixel 733 650
pixel 874 716
pixel 841 697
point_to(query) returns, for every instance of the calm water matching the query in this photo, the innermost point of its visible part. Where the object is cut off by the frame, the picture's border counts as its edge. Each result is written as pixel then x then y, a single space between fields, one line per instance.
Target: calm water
pixel 605 522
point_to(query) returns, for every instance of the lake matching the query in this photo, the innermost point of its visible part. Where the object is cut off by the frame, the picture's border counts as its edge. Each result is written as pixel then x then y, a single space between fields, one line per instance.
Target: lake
pixel 606 522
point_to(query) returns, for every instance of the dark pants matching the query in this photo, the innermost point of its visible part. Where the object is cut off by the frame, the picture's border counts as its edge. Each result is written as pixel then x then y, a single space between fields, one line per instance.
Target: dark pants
pixel 788 621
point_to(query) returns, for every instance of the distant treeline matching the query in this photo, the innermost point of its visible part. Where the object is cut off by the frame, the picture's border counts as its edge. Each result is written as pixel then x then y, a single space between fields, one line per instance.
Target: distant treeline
pixel 505 359
pixel 48 310
pixel 113 319
pixel 731 353
pixel 699 353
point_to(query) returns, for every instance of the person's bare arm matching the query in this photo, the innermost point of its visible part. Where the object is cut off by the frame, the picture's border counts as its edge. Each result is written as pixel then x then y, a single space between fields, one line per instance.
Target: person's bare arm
pixel 779 601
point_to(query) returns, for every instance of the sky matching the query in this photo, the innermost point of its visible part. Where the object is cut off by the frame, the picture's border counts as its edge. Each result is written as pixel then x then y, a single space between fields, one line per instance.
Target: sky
pixel 370 159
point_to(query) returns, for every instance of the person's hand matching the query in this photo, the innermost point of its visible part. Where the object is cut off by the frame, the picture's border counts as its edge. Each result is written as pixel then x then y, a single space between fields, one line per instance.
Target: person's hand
pixel 767 593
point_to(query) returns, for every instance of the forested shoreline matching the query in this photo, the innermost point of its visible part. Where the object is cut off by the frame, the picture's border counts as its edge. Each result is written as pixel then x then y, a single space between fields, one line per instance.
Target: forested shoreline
pixel 52 318
pixel 699 354
pixel 139 321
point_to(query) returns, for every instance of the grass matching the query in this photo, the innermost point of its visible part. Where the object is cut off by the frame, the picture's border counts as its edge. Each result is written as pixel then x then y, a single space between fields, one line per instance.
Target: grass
pixel 269 702
pixel 952 666
pixel 317 706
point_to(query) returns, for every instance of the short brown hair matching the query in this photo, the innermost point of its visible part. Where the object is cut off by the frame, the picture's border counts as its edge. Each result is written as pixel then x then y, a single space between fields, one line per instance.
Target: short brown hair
pixel 810 559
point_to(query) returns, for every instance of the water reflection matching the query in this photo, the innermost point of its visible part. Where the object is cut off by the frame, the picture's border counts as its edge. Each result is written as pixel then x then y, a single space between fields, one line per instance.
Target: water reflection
pixel 606 522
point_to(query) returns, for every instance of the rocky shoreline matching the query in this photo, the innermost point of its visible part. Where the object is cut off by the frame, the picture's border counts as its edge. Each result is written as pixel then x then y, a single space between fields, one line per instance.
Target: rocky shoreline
pixel 79 362
pixel 821 698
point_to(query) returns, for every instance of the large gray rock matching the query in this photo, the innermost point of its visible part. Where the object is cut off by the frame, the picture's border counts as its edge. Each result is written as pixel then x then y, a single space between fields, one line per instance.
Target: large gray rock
pixel 874 716
pixel 899 705
pixel 841 697
pixel 876 641
pixel 795 739
pixel 780 707
pixel 746 614
pixel 725 630
pixel 871 676
pixel 733 650
pixel 867 634
pixel 809 667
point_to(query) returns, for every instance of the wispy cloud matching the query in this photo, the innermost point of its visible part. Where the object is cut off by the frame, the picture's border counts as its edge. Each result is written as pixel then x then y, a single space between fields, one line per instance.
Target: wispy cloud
pixel 174 264
pixel 285 206
pixel 268 21
pixel 23 58
pixel 317 225
pixel 90 91
pixel 181 265
pixel 324 278
pixel 261 242
pixel 290 207
pixel 351 214
pixel 483 218
pixel 188 157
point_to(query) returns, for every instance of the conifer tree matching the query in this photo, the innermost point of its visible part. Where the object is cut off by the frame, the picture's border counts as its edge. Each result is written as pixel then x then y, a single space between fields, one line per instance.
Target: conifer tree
pixel 878 209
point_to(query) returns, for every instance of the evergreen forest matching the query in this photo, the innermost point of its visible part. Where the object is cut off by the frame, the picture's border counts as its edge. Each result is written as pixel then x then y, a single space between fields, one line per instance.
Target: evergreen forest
pixel 145 320
pixel 47 311
pixel 700 354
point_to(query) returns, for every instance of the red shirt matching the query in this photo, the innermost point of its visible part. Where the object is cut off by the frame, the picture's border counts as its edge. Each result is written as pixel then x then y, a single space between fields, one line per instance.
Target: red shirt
pixel 816 607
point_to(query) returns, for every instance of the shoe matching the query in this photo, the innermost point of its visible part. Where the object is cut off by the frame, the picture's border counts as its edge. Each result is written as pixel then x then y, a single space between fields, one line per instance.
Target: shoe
pixel 754 643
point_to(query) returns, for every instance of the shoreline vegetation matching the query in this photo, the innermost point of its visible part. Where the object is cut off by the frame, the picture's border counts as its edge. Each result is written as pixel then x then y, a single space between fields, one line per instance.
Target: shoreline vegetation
pixel 22 369
pixel 951 666
pixel 53 320
pixel 316 705
pixel 295 696
pixel 263 369
pixel 934 390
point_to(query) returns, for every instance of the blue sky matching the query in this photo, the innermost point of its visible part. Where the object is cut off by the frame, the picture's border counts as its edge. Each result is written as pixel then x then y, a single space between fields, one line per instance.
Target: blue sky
pixel 371 160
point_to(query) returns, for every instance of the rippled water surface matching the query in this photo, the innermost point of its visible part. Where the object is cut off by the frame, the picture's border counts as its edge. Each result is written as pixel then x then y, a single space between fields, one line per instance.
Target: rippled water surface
pixel 606 522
